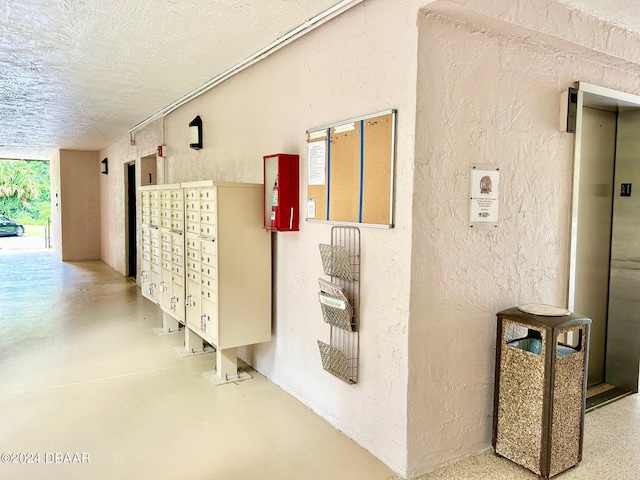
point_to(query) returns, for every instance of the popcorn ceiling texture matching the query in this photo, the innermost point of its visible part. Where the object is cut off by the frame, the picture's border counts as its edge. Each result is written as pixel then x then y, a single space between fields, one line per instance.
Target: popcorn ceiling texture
pixel 79 74
pixel 623 12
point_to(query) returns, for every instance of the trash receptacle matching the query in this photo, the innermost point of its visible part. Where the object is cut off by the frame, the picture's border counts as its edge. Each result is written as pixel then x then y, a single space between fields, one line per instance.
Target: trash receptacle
pixel 540 387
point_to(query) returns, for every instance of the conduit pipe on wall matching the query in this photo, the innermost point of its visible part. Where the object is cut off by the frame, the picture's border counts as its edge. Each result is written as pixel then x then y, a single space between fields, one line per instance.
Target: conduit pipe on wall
pixel 294 34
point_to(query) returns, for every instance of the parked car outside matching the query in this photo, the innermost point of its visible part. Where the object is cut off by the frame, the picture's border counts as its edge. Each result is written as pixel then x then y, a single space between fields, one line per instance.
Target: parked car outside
pixel 8 227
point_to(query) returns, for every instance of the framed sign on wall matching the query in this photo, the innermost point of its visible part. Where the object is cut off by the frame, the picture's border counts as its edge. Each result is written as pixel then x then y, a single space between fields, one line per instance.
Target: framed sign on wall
pixel 484 196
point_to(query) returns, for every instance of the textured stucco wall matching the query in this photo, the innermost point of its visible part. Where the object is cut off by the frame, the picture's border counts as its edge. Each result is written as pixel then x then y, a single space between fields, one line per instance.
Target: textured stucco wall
pixel 489 76
pixel 113 192
pixel 56 213
pixel 350 66
pixel 488 92
pixel 79 205
pixel 556 23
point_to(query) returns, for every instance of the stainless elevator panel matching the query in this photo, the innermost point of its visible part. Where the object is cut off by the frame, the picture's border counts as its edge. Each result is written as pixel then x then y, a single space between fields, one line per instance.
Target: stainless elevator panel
pixel 594 230
pixel 623 334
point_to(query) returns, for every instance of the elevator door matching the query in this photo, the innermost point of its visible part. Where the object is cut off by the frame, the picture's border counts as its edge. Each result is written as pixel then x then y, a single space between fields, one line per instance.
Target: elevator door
pixel 623 331
pixel 594 230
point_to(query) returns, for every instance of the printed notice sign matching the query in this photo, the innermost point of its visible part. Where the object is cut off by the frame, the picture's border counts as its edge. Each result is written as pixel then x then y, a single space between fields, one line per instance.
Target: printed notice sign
pixel 316 152
pixel 311 208
pixel 485 186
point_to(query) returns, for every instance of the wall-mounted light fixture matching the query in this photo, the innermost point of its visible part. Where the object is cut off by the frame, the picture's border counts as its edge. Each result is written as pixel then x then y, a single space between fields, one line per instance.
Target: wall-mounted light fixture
pixel 195 133
pixel 105 166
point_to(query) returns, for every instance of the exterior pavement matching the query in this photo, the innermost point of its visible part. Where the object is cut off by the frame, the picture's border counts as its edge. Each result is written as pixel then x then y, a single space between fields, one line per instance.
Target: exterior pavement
pixel 23 243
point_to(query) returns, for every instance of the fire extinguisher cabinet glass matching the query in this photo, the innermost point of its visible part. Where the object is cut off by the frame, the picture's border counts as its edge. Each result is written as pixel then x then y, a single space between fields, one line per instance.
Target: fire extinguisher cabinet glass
pixel 281 192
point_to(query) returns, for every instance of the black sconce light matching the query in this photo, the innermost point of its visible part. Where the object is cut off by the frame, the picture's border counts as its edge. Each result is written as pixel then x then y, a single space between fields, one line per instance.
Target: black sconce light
pixel 195 133
pixel 105 166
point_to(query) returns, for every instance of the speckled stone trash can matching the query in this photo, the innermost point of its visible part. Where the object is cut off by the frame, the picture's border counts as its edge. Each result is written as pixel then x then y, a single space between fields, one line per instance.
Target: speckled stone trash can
pixel 540 387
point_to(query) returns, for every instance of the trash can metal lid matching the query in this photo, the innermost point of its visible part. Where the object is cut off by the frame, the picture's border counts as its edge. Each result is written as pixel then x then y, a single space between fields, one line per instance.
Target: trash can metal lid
pixel 544 310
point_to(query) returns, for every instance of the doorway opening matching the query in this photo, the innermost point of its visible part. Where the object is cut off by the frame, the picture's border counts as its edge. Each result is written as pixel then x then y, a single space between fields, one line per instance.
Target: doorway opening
pixel 132 248
pixel 604 278
pixel 25 204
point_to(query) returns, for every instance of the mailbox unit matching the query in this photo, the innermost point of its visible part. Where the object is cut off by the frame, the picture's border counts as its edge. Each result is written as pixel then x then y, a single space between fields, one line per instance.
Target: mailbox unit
pixel 162 278
pixel 150 263
pixel 207 262
pixel 228 286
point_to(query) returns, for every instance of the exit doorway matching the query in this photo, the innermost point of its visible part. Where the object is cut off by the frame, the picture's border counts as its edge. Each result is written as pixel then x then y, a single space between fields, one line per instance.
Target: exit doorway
pixel 132 250
pixel 604 280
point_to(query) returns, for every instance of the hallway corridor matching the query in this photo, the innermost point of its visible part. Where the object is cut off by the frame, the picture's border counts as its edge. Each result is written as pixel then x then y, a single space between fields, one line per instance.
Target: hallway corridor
pixel 82 372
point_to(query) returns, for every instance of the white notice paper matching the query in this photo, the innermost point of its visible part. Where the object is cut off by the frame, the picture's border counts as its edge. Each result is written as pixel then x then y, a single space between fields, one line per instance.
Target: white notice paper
pixel 316 153
pixel 485 187
pixel 311 208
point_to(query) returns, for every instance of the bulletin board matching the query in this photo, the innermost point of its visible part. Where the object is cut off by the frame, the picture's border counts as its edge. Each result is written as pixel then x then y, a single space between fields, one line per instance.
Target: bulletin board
pixel 350 171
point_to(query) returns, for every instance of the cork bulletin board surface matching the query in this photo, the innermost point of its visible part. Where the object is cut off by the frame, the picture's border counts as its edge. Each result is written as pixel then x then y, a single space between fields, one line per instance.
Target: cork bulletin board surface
pixel 350 171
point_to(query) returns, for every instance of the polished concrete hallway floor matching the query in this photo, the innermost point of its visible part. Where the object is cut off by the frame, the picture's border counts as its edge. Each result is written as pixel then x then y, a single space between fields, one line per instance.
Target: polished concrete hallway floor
pixel 82 373
pixel 611 451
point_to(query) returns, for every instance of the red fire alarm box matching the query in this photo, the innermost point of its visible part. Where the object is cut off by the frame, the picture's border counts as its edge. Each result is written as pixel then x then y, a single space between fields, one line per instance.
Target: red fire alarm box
pixel 281 192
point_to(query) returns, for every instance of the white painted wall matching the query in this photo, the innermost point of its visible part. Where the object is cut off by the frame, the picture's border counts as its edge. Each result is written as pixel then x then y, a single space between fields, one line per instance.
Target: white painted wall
pixel 76 221
pixel 113 193
pixel 482 85
pixel 56 213
pixel 351 66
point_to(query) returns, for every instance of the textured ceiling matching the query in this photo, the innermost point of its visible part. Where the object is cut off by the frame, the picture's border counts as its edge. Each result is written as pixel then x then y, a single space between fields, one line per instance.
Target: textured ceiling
pixel 78 74
pixel 621 12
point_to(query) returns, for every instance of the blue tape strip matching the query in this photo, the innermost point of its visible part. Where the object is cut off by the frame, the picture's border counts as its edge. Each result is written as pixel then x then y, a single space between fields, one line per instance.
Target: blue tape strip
pixel 328 170
pixel 361 169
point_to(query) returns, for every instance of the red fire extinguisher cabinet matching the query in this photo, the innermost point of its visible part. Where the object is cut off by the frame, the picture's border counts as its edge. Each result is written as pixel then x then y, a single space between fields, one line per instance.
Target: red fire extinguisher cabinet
pixel 281 192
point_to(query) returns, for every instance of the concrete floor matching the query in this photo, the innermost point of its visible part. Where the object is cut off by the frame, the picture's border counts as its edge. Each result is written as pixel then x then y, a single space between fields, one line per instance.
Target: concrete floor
pixel 36 242
pixel 82 373
pixel 611 451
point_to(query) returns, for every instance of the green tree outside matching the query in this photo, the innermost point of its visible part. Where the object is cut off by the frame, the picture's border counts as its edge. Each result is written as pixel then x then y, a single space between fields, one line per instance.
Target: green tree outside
pixel 25 191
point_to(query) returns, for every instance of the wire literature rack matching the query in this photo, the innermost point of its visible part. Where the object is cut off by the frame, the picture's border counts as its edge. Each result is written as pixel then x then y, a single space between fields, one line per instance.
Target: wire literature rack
pixel 340 303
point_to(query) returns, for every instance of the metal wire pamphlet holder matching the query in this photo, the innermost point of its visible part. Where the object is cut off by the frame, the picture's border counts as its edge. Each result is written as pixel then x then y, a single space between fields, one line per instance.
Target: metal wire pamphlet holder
pixel 340 303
